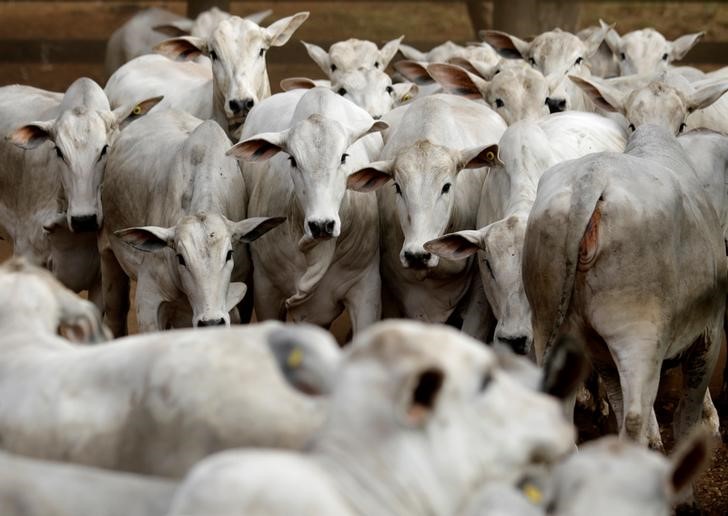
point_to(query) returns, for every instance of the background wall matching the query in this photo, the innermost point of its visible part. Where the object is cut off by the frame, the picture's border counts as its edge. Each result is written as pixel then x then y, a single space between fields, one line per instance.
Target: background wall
pixel 50 43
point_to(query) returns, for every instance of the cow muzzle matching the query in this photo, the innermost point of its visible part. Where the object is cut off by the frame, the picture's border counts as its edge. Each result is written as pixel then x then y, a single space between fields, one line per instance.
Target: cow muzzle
pixel 519 344
pixel 556 105
pixel 419 260
pixel 202 323
pixel 322 229
pixel 84 223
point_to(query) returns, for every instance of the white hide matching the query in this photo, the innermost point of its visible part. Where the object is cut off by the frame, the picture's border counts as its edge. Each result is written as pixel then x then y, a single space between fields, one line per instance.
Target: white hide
pixel 224 88
pixel 327 256
pixel 156 403
pixel 527 150
pixel 175 210
pixel 420 418
pixel 433 140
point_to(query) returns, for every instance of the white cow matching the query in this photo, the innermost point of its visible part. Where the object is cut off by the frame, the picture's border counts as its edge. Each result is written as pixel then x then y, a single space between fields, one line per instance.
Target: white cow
pixel 428 155
pixel 154 403
pixel 602 63
pixel 225 90
pixel 146 29
pixel 421 417
pixel 352 54
pixel 627 252
pixel 448 50
pixel 175 206
pixel 53 150
pixel 515 92
pixel 647 51
pixel 326 257
pixel 31 487
pixel 555 54
pixel 527 150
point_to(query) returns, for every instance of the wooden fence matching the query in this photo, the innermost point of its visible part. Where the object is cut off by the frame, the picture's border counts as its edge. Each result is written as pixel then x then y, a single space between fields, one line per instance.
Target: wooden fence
pixel 50 43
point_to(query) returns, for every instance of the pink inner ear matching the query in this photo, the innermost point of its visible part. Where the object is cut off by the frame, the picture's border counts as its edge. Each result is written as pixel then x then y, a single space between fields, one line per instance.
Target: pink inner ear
pixel 413 71
pixel 366 180
pixel 27 134
pixel 257 150
pixel 456 81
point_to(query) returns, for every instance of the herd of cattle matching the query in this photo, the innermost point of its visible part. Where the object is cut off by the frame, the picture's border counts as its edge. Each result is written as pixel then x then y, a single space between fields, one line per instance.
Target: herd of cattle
pixel 564 198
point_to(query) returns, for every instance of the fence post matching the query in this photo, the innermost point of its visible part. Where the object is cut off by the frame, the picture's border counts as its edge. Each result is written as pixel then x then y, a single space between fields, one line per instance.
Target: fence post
pixel 525 18
pixel 195 7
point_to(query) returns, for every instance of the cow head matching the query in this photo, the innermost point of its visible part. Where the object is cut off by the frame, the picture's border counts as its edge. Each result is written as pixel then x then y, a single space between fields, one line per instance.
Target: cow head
pixel 425 182
pixel 237 49
pixel 318 164
pixel 203 249
pixel 647 51
pixel 77 143
pixel 351 55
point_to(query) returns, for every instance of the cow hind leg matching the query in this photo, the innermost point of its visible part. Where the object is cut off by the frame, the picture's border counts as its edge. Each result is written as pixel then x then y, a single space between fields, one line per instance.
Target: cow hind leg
pixel 115 292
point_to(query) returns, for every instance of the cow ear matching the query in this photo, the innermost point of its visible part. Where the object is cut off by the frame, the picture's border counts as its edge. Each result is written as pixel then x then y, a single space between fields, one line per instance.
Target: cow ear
pixel 507 45
pixel 682 45
pixel 603 96
pixel 388 51
pixel 412 53
pixel 80 321
pixel 612 39
pixel 371 177
pixel 594 40
pixel 478 157
pixel 236 293
pixel 281 31
pixel 319 56
pixel 175 29
pixel 457 81
pixel 414 71
pixel 260 147
pixel 422 392
pixel 565 368
pixel 689 461
pixel 297 83
pixel 32 135
pixel 704 97
pixel 55 222
pixel 185 48
pixel 259 16
pixel 124 115
pixel 253 228
pixel 148 238
pixel 405 92
pixel 457 246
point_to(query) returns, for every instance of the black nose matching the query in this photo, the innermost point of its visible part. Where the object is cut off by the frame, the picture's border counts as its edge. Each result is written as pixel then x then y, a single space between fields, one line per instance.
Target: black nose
pixel 519 345
pixel 556 105
pixel 84 223
pixel 321 228
pixel 241 105
pixel 211 322
pixel 417 260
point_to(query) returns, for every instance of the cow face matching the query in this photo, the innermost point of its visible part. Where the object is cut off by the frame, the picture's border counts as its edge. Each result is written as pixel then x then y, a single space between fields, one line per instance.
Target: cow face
pixel 647 51
pixel 77 145
pixel 445 399
pixel 656 103
pixel 202 259
pixel 352 55
pixel 370 90
pixel 318 165
pixel 425 182
pixel 237 49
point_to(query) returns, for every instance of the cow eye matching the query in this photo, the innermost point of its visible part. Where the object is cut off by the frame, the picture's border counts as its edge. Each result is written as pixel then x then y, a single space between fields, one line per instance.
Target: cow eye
pixel 261 53
pixel 622 56
pixel 333 67
pixel 103 151
pixel 343 158
pixel 532 61
pixel 579 60
pixel 376 64
pixel 682 128
pixel 499 103
pixel 181 260
pixel 485 381
pixel 631 127
pixel 341 91
pixel 213 55
pixel 293 161
pixel 59 153
pixel 490 269
pixel 397 189
pixel 390 90
pixel 446 188
pixel 664 57
pixel 229 255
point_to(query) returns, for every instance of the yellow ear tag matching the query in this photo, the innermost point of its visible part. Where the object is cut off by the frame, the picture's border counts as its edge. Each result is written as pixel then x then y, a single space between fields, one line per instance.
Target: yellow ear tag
pixel 533 493
pixel 490 156
pixel 295 358
pixel 137 110
pixel 405 98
